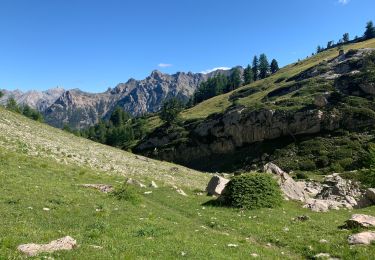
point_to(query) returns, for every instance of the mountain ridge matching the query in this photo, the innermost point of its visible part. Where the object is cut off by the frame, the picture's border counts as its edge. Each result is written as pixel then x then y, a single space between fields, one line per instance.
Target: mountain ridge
pixel 79 109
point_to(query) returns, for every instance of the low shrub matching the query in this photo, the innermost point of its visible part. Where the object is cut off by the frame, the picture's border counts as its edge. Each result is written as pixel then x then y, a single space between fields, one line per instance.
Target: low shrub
pixel 128 193
pixel 367 177
pixel 253 191
pixel 307 165
pixel 301 176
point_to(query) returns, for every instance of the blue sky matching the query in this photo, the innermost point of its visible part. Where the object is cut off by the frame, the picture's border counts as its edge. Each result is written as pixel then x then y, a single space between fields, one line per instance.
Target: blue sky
pixel 93 45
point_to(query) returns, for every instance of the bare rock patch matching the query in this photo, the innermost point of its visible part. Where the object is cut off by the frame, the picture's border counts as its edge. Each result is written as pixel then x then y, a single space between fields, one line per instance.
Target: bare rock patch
pixel 65 243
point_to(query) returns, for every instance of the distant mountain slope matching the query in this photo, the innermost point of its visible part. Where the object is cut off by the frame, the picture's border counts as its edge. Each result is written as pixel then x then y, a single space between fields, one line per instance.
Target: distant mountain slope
pixel 80 109
pixel 39 100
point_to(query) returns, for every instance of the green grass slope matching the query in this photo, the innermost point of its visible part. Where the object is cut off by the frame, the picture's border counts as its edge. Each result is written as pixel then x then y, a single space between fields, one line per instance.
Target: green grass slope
pixel 22 135
pixel 42 167
pixel 220 103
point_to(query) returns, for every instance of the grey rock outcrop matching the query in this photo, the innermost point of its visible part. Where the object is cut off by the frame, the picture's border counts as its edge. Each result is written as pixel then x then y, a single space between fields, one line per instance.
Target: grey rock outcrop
pixel 341 190
pixel 291 189
pixel 320 205
pixel 345 191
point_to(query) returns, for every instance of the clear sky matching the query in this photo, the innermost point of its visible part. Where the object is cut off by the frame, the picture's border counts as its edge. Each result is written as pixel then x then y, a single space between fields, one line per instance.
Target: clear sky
pixel 93 45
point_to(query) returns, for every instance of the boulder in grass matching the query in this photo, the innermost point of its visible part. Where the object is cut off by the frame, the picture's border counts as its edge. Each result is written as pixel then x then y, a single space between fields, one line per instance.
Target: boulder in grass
pixel 370 194
pixel 290 188
pixel 216 185
pixel 318 205
pixel 135 182
pixel 153 185
pixel 360 220
pixel 65 243
pixel 363 238
pixel 272 168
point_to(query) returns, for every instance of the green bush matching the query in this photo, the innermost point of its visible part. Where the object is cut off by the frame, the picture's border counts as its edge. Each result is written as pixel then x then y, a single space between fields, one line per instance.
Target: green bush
pixel 253 191
pixel 301 176
pixel 307 165
pixel 128 193
pixel 346 163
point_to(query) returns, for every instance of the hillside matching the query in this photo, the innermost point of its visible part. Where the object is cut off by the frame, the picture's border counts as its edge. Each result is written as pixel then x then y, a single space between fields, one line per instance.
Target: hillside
pixel 274 119
pixel 24 136
pixel 42 169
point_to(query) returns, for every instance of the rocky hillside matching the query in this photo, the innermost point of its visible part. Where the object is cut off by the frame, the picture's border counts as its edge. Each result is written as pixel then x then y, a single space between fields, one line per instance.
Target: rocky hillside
pixel 318 96
pixel 80 109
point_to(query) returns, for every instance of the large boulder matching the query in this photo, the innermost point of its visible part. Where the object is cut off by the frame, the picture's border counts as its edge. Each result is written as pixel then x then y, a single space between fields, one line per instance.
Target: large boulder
pixel 370 194
pixel 272 168
pixel 216 185
pixel 291 189
pixel 363 238
pixel 319 205
pixel 360 220
pixel 65 243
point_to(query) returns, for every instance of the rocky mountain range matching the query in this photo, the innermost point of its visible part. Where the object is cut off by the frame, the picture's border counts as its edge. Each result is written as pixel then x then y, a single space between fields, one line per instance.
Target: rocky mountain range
pixel 39 100
pixel 80 109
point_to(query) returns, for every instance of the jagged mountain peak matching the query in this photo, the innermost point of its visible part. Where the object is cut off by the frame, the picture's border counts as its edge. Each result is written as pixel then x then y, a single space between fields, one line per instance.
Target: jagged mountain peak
pixel 80 109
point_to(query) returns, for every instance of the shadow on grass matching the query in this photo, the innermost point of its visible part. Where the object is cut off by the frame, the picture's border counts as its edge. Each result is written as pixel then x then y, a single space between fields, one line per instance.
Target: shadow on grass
pixel 219 203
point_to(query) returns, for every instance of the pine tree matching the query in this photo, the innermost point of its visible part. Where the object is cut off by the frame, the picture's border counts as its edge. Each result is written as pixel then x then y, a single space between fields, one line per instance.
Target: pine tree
pixel 248 75
pixel 370 31
pixel 119 117
pixel 274 66
pixel 234 80
pixel 264 66
pixel 1 94
pixel 170 110
pixel 255 68
pixel 319 49
pixel 12 105
pixel 330 44
pixel 345 37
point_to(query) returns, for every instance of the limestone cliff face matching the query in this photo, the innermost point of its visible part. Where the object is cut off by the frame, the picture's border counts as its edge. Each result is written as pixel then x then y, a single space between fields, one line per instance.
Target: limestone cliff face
pixel 223 134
